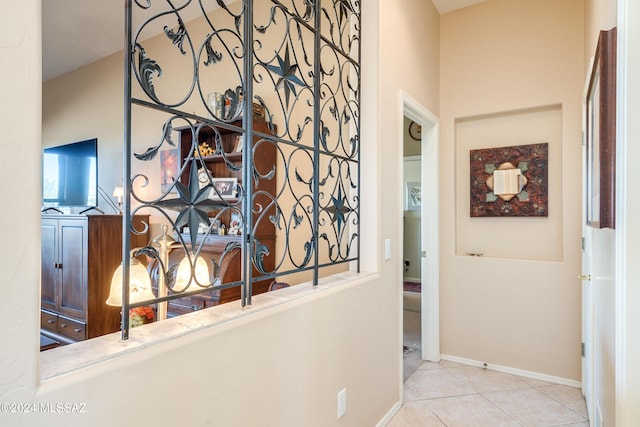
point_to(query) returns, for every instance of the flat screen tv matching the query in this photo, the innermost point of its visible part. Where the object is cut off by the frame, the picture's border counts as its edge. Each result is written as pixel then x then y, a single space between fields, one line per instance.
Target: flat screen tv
pixel 70 175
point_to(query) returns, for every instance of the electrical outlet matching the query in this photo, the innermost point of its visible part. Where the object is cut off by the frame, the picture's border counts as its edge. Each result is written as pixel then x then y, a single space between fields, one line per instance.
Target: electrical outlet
pixel 342 402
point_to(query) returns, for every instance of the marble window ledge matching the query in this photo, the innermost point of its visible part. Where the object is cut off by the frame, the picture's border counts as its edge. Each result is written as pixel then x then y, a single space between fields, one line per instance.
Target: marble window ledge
pixel 66 359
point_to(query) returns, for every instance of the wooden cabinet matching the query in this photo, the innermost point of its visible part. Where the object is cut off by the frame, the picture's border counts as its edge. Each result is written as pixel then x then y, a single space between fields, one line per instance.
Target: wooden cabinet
pixel 79 255
pixel 229 165
pixel 64 266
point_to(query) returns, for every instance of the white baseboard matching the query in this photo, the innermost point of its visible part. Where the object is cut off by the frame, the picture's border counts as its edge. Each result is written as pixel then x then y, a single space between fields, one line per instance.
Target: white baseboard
pixel 514 371
pixel 389 415
pixel 412 279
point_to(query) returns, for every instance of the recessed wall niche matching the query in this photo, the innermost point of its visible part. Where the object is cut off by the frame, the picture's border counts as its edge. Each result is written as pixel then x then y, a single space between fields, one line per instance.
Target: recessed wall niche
pixel 534 238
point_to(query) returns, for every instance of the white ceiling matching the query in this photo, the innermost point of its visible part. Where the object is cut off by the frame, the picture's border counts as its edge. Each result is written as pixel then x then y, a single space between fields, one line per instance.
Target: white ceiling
pixel 77 33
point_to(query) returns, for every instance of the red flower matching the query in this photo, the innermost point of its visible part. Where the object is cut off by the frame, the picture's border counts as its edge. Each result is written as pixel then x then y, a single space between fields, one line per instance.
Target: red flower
pixel 142 312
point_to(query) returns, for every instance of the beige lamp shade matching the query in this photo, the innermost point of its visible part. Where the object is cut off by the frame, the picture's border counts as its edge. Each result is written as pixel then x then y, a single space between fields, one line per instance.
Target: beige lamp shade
pixel 118 193
pixel 139 284
pixel 184 282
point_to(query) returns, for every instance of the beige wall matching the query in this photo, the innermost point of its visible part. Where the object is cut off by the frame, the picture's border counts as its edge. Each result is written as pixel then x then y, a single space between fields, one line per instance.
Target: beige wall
pixel 598 15
pixel 499 57
pixel 67 105
pixel 286 364
pixel 20 152
pixel 412 26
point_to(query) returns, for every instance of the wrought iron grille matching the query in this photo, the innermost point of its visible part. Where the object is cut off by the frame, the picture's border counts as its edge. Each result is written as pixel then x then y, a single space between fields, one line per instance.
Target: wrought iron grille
pixel 261 101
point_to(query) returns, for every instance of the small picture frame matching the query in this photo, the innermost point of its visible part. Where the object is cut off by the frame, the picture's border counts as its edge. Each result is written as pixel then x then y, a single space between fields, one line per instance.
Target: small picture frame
pixel 235 223
pixel 203 177
pixel 223 188
pixel 238 144
pixel 214 226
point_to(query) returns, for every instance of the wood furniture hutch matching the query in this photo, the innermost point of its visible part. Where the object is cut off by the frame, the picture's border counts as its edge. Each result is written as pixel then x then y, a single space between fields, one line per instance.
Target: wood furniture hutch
pixel 213 245
pixel 79 255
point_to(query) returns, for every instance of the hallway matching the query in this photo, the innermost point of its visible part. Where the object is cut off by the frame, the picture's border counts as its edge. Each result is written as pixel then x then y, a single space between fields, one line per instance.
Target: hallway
pixel 451 394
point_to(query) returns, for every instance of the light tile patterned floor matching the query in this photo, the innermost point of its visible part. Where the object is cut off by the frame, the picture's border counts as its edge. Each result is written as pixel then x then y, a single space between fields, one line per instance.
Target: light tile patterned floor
pixel 450 394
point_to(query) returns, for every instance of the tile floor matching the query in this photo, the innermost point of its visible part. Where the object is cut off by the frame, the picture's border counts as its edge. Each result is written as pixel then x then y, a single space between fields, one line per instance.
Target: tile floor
pixel 411 340
pixel 450 394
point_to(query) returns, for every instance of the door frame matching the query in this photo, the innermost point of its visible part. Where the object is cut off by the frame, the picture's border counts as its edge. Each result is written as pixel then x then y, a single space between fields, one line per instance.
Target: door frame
pixel 430 242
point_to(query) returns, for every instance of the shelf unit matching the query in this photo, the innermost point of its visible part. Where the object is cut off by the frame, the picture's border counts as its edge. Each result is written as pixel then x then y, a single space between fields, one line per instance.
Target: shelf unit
pixel 264 155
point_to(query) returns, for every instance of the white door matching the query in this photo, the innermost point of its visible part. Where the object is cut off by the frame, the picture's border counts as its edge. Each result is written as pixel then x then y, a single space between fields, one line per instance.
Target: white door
pixel 430 242
pixel 585 275
pixel 587 319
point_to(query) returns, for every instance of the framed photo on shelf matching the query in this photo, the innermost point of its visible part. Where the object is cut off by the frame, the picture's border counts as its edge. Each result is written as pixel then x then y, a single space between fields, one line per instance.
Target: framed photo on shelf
pixel 203 177
pixel 238 145
pixel 224 188
pixel 235 224
pixel 600 134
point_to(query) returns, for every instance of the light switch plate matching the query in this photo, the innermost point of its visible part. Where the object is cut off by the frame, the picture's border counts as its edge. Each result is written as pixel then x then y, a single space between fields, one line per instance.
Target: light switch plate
pixel 387 248
pixel 342 402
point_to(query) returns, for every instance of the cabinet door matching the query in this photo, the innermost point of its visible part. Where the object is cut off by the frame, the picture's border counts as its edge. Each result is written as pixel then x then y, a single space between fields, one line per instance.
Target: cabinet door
pixel 49 271
pixel 73 256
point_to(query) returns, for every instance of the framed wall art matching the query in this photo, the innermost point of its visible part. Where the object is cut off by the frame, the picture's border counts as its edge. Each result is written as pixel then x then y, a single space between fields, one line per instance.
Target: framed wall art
pixel 413 196
pixel 509 181
pixel 169 160
pixel 600 134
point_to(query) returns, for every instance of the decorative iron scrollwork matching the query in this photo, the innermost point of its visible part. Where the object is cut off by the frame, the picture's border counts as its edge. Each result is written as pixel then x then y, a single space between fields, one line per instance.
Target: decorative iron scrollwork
pixel 265 57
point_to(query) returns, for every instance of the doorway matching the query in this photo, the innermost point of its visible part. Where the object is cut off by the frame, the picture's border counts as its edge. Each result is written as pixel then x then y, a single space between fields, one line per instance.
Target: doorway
pixel 411 250
pixel 426 213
